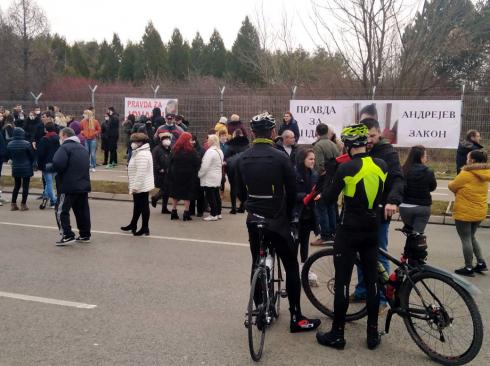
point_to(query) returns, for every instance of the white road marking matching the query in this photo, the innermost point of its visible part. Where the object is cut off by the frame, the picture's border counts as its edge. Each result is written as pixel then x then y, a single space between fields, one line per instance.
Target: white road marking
pixel 227 243
pixel 46 300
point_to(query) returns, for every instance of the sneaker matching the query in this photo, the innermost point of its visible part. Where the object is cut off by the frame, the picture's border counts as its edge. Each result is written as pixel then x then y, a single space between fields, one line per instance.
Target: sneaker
pixel 465 271
pixel 233 211
pixel 303 324
pixel 373 338
pixel 331 339
pixel 92 170
pixel 108 166
pixel 318 242
pixel 220 217
pixel 83 239
pixel 480 267
pixel 211 218
pixel 64 241
pixel 312 279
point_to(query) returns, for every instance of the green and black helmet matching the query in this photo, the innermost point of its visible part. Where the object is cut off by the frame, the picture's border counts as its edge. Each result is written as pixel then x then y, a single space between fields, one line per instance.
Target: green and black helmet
pixel 355 135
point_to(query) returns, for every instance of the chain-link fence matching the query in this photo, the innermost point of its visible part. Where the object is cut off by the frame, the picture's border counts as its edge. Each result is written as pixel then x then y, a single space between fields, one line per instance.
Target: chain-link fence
pixel 203 111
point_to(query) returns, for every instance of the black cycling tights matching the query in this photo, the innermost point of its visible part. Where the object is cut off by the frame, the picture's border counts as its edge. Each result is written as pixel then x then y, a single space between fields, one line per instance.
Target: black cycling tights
pixel 289 260
pixel 347 245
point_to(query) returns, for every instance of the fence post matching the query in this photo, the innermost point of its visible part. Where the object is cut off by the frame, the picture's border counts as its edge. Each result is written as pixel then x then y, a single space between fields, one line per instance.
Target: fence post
pixel 92 90
pixel 463 87
pixel 221 100
pixel 293 92
pixel 36 98
pixel 155 90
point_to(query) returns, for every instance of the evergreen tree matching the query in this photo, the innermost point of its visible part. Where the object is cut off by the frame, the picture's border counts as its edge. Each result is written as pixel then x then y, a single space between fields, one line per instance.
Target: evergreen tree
pixel 178 56
pixel 60 53
pixel 117 47
pixel 78 61
pixel 197 54
pixel 245 54
pixel 154 53
pixel 108 64
pixel 215 56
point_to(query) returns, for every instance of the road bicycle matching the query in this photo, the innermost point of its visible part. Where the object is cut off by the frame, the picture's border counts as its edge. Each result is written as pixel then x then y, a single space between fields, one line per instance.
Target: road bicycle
pixel 437 307
pixel 265 295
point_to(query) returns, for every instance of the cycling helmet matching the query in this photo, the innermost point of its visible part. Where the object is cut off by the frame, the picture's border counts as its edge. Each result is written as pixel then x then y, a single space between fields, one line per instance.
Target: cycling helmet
pixel 355 135
pixel 263 122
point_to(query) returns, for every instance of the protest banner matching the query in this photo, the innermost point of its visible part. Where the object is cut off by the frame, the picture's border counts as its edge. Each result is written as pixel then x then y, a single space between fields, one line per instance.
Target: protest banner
pixel 432 123
pixel 144 106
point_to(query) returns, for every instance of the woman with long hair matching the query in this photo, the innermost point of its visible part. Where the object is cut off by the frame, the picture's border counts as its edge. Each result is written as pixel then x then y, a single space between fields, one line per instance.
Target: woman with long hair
pixel 183 168
pixel 90 130
pixel 471 208
pixel 140 173
pixel 210 174
pixel 419 182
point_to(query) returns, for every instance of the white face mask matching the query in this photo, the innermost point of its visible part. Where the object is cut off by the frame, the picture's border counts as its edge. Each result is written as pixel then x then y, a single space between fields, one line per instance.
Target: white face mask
pixel 61 141
pixel 134 145
pixel 106 118
pixel 166 142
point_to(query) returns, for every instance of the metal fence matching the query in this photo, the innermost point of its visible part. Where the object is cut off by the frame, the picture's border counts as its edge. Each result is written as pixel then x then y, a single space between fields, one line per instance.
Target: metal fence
pixel 203 111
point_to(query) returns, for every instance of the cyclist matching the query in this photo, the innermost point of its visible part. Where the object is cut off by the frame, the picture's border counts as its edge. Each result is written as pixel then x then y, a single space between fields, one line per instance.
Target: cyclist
pixel 361 180
pixel 265 175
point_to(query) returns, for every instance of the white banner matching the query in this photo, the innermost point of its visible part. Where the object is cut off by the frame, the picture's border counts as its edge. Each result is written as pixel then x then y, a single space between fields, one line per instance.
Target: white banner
pixel 432 123
pixel 139 106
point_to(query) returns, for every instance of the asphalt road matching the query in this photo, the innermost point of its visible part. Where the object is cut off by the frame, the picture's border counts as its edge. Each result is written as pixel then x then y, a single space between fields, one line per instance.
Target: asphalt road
pixel 175 298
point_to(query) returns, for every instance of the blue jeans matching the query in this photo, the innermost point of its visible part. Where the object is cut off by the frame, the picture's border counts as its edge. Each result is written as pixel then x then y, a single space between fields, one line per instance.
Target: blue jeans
pixel 360 291
pixel 48 188
pixel 91 146
pixel 326 218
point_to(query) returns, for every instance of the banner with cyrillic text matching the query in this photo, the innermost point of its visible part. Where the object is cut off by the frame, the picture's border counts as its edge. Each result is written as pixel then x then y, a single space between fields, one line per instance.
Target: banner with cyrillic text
pixel 405 123
pixel 140 106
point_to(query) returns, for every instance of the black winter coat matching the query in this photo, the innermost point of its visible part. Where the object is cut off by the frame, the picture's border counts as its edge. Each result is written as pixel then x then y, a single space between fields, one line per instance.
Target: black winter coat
pixel 113 133
pixel 464 148
pixel 305 180
pixel 104 136
pixel 419 182
pixel 3 148
pixel 182 176
pixel 292 126
pixel 48 146
pixel 394 185
pixel 22 154
pixel 292 158
pixel 161 160
pixel 71 162
pixel 236 145
pixel 34 130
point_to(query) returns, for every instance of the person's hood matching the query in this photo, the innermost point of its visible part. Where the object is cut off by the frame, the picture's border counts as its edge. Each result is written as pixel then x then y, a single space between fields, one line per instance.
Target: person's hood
pixel 73 138
pixel 19 134
pixel 467 144
pixel 417 171
pixel 75 126
pixel 239 141
pixel 157 112
pixel 481 170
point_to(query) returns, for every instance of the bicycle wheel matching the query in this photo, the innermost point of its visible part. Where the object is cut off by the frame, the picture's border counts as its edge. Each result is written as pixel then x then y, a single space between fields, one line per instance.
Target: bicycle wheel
pixel 448 328
pixel 318 279
pixel 276 285
pixel 256 314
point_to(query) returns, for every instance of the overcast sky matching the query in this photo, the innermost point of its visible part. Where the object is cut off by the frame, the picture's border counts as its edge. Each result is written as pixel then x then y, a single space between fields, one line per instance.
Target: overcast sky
pixel 97 19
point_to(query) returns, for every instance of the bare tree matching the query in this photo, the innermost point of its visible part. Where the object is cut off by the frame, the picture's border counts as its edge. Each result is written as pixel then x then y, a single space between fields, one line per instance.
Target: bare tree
pixel 28 21
pixel 365 33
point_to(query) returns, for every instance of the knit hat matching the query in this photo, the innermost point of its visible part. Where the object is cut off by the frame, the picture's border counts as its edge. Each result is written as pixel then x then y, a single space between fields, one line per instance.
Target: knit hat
pixel 235 118
pixel 223 120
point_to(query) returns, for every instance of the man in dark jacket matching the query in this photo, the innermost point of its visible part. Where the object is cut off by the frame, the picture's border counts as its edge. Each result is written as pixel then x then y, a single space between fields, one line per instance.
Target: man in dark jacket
pixel 112 135
pixel 48 146
pixel 71 162
pixel 289 123
pixel 392 195
pixel 287 144
pixel 472 142
pixel 156 118
pixel 34 128
pixel 3 155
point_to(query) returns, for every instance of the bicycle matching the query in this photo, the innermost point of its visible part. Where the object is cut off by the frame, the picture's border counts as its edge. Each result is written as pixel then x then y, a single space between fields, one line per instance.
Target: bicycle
pixel 422 295
pixel 265 295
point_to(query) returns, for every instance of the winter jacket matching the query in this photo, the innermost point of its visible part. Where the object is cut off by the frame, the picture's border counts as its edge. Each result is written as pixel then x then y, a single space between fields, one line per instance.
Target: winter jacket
pixel 419 182
pixel 21 153
pixel 140 170
pixel 19 120
pixel 113 132
pixel 90 133
pixel 464 148
pixel 182 176
pixel 161 160
pixel 236 145
pixel 104 136
pixel 47 147
pixel 156 118
pixel 3 149
pixel 235 125
pixel 34 130
pixel 306 179
pixel 291 126
pixel 324 149
pixel 71 162
pixel 394 185
pixel 220 127
pixel 75 125
pixel 176 131
pixel 292 156
pixel 211 171
pixel 8 132
pixel 471 190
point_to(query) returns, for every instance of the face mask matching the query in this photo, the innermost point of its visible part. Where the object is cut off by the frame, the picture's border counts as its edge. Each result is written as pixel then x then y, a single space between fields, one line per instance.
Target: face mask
pixel 166 143
pixel 38 112
pixel 106 118
pixel 134 145
pixel 61 141
pixel 85 116
pixel 31 117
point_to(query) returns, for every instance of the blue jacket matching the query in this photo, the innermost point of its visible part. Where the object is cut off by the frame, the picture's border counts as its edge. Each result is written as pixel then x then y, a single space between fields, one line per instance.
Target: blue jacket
pixel 71 162
pixel 48 146
pixel 21 153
